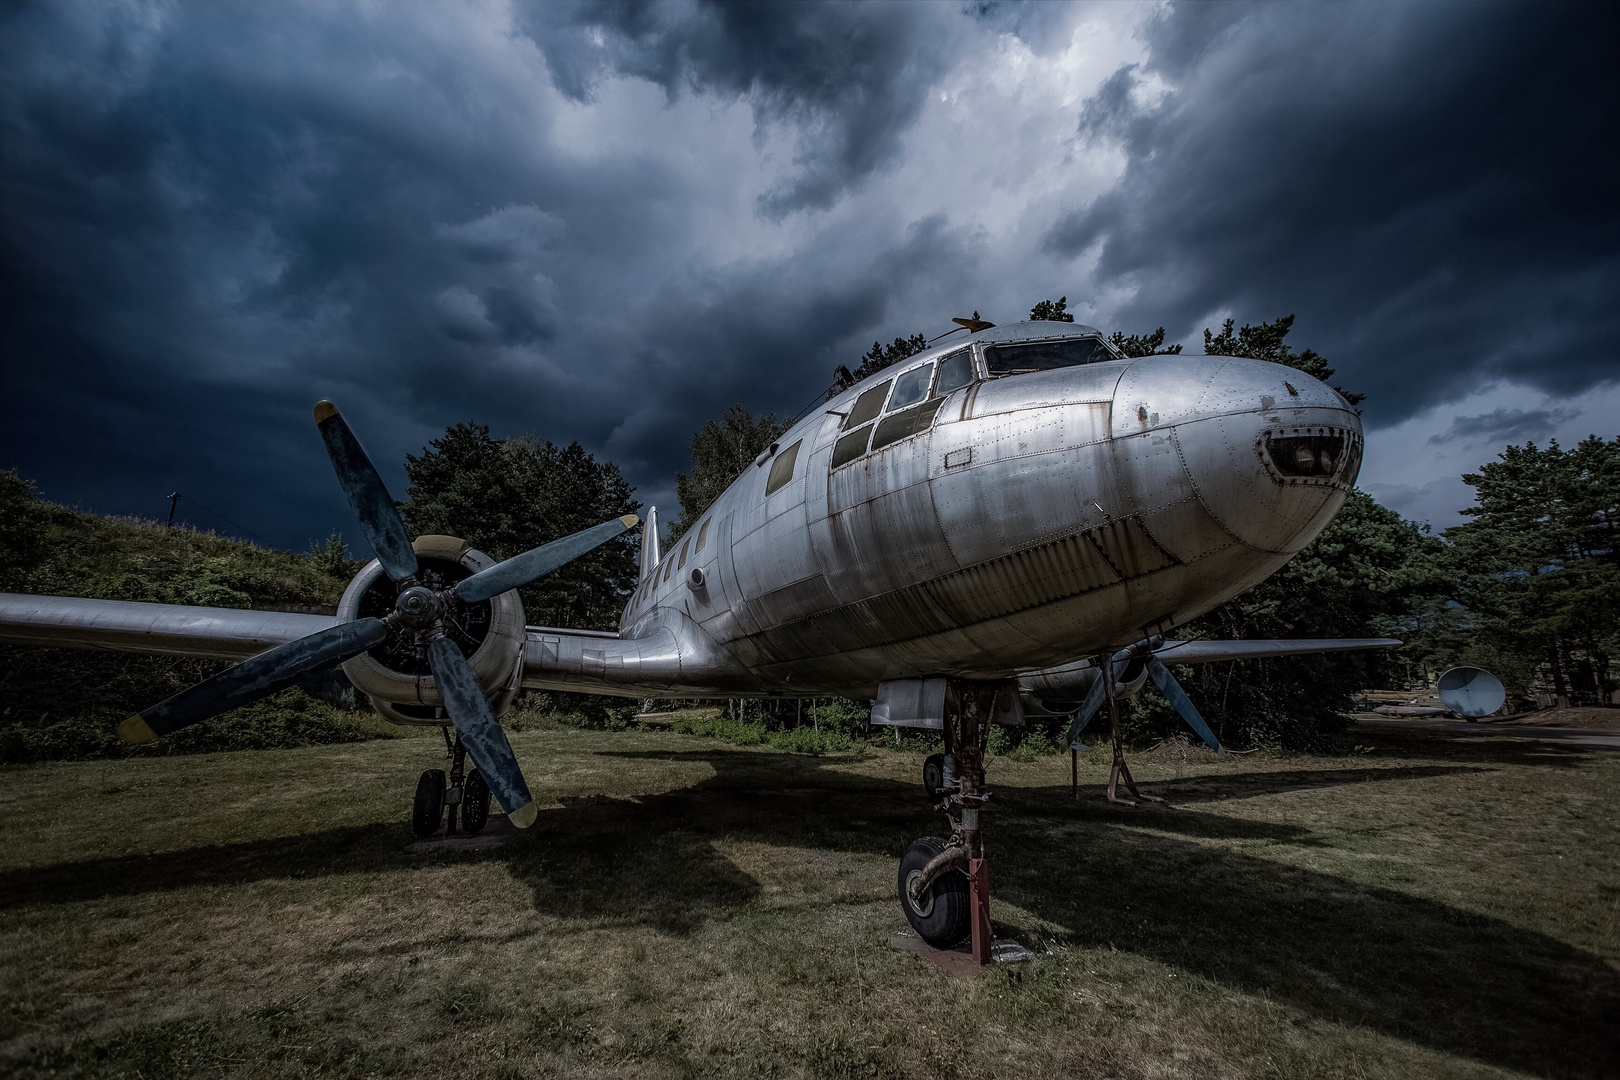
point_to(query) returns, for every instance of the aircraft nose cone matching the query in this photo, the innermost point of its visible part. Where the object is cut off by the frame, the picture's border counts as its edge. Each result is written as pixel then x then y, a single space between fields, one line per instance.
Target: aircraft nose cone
pixel 1271 453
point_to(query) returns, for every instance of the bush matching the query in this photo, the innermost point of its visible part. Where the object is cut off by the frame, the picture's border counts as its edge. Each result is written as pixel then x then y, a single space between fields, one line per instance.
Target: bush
pixel 736 732
pixel 592 712
pixel 805 740
pixel 279 722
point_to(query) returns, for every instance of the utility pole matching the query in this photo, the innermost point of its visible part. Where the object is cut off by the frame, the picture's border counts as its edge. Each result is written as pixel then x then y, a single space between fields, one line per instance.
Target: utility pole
pixel 174 500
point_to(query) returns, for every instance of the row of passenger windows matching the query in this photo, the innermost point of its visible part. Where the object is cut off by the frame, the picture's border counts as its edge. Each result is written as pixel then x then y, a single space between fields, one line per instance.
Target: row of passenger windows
pixel 910 408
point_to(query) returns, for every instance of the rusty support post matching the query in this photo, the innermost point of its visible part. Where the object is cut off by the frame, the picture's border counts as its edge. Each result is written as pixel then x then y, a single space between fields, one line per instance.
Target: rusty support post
pixel 969 706
pixel 1074 772
pixel 979 897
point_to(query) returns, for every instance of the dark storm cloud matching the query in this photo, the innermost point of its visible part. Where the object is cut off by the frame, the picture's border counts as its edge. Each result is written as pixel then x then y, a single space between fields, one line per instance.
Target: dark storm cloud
pixel 1429 187
pixel 557 224
pixel 1505 425
pixel 213 216
pixel 850 79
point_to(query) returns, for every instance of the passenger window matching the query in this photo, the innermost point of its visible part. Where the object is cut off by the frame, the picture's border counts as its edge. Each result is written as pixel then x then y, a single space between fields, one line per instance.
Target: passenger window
pixel 955 372
pixel 703 536
pixel 684 546
pixel 782 468
pixel 669 563
pixel 911 387
pixel 867 406
pixel 849 447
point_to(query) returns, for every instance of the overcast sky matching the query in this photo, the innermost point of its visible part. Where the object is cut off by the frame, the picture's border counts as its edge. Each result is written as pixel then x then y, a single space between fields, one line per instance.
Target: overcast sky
pixel 608 222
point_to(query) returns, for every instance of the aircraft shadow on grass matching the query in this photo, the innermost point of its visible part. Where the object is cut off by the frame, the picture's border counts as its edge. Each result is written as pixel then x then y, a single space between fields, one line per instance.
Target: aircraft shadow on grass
pixel 1346 952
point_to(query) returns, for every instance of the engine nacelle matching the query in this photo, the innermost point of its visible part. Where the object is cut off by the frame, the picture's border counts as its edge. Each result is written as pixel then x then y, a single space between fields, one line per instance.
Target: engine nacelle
pixel 395 675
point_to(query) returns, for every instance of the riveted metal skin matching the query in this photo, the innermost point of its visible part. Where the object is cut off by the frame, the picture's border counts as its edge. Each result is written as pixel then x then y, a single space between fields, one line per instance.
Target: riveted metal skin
pixel 1038 518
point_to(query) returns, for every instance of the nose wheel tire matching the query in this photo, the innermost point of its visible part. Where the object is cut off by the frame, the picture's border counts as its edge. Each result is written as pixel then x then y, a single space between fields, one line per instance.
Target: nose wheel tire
pixel 934 776
pixel 474 804
pixel 944 918
pixel 429 807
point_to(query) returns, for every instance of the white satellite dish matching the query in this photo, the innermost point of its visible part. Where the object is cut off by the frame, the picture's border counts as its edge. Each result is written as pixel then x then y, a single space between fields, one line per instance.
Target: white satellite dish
pixel 1471 692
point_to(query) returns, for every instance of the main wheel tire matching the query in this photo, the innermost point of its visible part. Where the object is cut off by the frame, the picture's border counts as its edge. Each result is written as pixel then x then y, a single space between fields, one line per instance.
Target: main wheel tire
pixel 945 918
pixel 474 804
pixel 934 776
pixel 429 807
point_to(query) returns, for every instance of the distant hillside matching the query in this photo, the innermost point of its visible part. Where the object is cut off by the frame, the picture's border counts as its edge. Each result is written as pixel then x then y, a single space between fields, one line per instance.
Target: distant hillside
pixel 66 703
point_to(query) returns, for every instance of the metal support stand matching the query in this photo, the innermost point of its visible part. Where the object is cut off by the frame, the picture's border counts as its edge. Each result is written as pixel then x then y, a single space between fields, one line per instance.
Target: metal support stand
pixel 1120 770
pixel 969 707
pixel 1074 773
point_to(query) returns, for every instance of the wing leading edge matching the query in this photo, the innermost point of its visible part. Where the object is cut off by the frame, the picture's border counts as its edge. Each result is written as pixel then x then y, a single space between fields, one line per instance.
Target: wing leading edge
pixel 165 629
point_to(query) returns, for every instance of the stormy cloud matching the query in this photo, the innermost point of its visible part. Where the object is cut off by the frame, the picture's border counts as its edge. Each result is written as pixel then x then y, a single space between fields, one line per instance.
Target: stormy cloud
pixel 607 222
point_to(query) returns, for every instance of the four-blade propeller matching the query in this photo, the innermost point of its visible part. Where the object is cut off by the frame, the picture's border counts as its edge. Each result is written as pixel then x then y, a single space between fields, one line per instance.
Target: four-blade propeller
pixel 419 611
pixel 1161 677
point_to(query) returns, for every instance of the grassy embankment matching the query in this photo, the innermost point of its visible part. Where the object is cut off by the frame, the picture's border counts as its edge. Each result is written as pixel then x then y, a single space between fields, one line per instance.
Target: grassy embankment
pixel 1439 906
pixel 58 703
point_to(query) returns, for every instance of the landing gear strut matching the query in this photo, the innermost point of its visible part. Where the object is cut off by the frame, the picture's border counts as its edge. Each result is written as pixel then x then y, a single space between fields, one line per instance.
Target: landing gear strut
pixel 944 884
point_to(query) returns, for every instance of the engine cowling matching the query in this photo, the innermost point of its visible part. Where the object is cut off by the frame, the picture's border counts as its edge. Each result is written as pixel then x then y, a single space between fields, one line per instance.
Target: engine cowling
pixel 395 675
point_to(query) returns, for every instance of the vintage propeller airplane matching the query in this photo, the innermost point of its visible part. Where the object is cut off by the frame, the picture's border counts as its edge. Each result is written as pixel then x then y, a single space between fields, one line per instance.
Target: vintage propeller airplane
pixel 1004 525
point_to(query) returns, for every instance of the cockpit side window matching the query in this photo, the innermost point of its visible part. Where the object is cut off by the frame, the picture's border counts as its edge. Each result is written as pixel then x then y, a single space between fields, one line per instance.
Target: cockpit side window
pixel 1045 355
pixel 867 406
pixel 955 372
pixel 911 387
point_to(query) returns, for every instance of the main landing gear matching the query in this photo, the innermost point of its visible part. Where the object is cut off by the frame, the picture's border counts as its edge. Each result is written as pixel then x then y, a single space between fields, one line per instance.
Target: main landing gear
pixel 465 796
pixel 944 884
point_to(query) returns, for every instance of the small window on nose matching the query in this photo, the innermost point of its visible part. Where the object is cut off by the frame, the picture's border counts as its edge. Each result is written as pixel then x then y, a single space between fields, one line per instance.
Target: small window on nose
pixel 1307 455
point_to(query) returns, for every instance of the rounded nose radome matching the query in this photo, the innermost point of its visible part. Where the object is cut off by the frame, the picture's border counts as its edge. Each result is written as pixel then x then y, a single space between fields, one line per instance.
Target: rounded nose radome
pixel 1229 418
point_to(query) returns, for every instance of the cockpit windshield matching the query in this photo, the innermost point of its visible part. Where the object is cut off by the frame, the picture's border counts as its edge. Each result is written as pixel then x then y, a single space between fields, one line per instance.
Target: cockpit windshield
pixel 1045 355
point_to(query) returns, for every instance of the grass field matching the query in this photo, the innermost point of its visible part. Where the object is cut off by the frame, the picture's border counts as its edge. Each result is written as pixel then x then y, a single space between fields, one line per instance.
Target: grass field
pixel 1427 907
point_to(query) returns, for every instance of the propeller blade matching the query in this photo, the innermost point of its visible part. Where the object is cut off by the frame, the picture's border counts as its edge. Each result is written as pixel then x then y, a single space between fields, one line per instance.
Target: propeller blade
pixel 379 517
pixel 254 678
pixel 1088 709
pixel 521 569
pixel 1171 689
pixel 480 732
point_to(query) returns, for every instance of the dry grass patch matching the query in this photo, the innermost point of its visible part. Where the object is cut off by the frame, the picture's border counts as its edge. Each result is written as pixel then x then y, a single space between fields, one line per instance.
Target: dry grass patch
pixel 1433 907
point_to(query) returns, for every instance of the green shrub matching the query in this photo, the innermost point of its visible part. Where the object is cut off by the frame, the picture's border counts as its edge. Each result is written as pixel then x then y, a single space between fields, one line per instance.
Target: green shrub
pixel 281 721
pixel 736 732
pixel 804 740
pixel 592 712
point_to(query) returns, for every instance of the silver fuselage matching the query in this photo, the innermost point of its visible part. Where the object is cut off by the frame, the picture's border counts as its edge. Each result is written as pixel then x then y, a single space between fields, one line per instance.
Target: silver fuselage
pixel 1037 518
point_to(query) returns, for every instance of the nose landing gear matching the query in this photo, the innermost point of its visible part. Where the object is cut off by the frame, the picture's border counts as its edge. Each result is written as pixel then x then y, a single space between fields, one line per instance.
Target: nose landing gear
pixel 944 884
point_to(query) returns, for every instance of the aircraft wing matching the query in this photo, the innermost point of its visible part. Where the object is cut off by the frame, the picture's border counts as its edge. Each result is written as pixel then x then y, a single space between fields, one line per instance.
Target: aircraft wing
pixel 1208 652
pixel 166 629
pixel 1072 680
pixel 667 660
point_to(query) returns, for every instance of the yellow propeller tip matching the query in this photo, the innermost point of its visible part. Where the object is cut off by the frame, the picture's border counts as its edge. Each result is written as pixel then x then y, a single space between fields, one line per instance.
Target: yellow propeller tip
pixel 630 521
pixel 136 730
pixel 323 410
pixel 524 815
